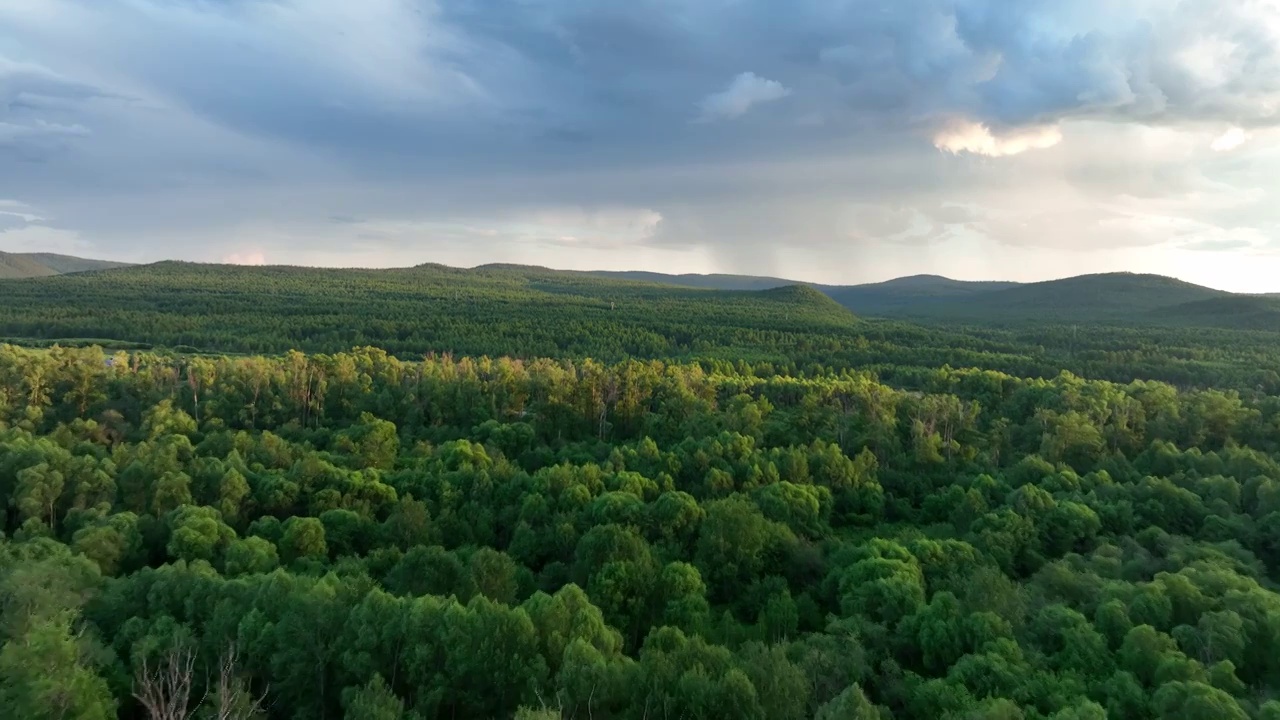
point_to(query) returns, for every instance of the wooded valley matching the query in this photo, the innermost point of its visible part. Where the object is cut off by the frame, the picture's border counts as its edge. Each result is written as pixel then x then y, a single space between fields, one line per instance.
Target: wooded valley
pixel 432 493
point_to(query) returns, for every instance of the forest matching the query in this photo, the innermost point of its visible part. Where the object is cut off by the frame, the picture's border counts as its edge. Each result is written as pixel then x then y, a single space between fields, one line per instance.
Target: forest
pixel 530 312
pixel 528 498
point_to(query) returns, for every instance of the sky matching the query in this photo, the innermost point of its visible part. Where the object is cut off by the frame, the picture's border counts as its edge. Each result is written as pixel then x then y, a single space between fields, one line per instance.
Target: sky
pixel 834 141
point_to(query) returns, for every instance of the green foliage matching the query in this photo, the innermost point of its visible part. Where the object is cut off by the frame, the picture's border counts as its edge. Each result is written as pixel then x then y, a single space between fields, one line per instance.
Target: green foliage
pixel 45 675
pixel 446 537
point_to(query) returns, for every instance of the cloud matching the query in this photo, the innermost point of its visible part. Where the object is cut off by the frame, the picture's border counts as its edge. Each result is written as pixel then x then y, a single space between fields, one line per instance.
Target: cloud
pixel 963 136
pixel 16 213
pixel 37 110
pixel 1218 245
pixel 42 238
pixel 1230 140
pixel 558 131
pixel 11 221
pixel 746 91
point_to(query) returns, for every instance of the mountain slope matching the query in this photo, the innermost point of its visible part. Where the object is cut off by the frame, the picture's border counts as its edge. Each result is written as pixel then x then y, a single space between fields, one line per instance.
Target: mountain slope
pixel 28 265
pixel 13 265
pixel 1243 312
pixel 1113 297
pixel 63 264
pixel 711 282
pixel 870 298
pixel 493 310
pixel 895 295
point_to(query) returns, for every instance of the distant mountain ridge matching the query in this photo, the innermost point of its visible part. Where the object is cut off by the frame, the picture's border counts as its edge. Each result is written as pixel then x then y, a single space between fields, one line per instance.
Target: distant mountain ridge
pixel 1113 298
pixel 1110 298
pixel 708 282
pixel 29 265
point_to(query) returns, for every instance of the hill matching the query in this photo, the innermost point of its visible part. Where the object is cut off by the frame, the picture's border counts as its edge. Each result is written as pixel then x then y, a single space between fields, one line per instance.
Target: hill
pixel 1245 312
pixel 1124 298
pixel 28 265
pixel 63 264
pixel 491 310
pixel 535 312
pixel 22 266
pixel 895 295
pixel 1109 298
pixel 711 282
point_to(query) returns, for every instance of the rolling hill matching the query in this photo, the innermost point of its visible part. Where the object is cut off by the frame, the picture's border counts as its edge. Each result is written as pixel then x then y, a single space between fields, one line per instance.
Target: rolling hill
pixel 29 265
pixel 870 298
pixel 1111 298
pixel 22 266
pixel 901 293
pixel 1174 332
pixel 491 310
pixel 1124 298
pixel 538 311
pixel 710 282
pixel 1245 312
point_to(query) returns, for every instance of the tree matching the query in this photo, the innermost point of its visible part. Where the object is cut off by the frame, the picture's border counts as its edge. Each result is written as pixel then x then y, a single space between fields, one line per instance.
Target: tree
pixel 251 555
pixel 232 698
pixel 197 533
pixel 780 685
pixel 884 583
pixel 37 494
pixel 303 538
pixel 493 574
pixel 164 687
pixel 409 524
pixel 165 419
pixel 994 709
pixel 850 704
pixel 171 491
pixel 233 489
pixel 46 674
pixel 1187 700
pixel 733 544
pixel 373 441
pixel 373 701
pixel 111 543
pixel 1083 710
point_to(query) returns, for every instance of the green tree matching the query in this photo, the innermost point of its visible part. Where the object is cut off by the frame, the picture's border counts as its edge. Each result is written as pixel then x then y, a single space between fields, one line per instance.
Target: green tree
pixel 303 538
pixel 46 674
pixel 1186 700
pixel 373 701
pixel 850 704
pixel 247 556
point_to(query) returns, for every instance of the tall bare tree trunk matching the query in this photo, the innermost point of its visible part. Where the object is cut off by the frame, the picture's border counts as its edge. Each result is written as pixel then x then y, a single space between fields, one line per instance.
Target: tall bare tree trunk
pixel 164 690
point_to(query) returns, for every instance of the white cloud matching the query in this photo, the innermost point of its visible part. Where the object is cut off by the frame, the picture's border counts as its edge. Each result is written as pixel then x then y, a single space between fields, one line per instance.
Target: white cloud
pixel 972 137
pixel 19 210
pixel 14 132
pixel 1230 140
pixel 746 91
pixel 1211 60
pixel 41 238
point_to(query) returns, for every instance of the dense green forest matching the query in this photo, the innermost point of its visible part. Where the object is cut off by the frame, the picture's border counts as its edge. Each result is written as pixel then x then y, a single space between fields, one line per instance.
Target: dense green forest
pixel 534 312
pixel 1126 299
pixel 352 535
pixel 750 504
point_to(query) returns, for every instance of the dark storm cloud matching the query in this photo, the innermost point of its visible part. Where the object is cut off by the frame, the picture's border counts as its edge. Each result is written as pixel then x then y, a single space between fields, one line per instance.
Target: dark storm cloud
pixel 479 78
pixel 740 123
